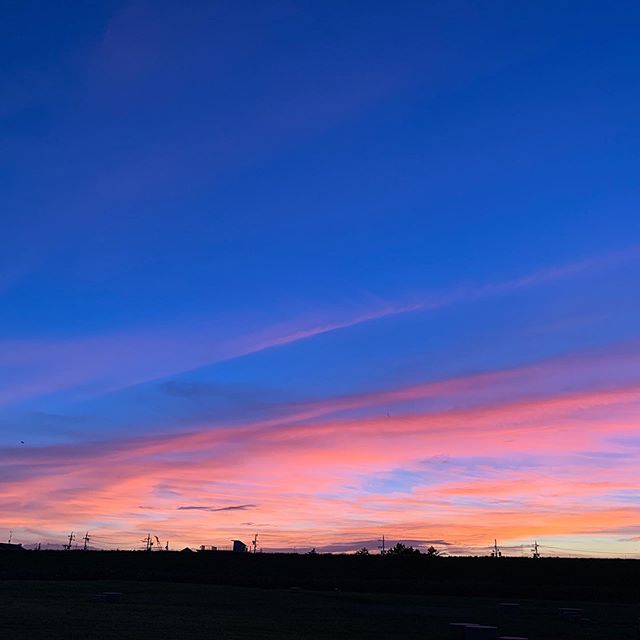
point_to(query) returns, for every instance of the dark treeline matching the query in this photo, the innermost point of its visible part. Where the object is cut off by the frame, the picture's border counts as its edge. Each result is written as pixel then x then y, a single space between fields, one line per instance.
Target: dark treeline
pixel 553 578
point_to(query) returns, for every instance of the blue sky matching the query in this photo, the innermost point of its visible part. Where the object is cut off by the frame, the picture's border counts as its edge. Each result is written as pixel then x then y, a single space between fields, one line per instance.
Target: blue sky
pixel 223 214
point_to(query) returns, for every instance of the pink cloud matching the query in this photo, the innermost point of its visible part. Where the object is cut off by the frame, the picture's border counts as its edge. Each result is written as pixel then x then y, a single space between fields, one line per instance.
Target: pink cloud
pixel 309 481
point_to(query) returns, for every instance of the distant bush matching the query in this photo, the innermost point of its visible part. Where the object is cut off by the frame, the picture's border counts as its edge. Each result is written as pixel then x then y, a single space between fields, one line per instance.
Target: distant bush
pixel 402 550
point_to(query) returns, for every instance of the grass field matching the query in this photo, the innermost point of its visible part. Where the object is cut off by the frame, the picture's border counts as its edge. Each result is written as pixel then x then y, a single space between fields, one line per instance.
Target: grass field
pixel 36 610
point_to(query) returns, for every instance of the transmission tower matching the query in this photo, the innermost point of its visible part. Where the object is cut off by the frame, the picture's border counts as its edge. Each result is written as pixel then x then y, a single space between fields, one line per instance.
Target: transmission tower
pixel 72 537
pixel 254 542
pixel 148 542
pixel 86 539
pixel 381 546
pixel 496 553
pixel 535 549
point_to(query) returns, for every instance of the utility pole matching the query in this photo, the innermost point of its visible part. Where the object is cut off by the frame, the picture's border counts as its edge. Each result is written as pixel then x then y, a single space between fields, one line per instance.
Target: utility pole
pixel 381 546
pixel 148 542
pixel 86 539
pixel 255 542
pixel 72 537
pixel 496 553
pixel 536 552
pixel 10 536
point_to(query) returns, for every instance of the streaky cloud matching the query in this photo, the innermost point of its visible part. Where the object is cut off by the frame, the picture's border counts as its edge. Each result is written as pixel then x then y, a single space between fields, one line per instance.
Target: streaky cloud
pixel 313 478
pixel 237 507
pixel 97 365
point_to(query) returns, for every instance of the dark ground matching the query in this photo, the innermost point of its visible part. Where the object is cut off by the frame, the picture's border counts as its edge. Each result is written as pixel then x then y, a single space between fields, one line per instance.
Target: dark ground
pixel 551 578
pixel 50 594
pixel 38 610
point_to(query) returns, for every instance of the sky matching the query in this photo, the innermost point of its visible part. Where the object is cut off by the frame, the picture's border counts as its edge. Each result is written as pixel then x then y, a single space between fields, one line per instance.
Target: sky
pixel 321 271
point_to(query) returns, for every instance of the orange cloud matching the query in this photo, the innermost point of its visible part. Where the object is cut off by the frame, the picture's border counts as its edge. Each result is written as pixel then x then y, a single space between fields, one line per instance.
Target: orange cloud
pixel 346 478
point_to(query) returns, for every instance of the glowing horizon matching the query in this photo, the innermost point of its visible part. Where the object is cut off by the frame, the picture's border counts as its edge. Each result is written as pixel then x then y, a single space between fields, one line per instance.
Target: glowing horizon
pixel 453 461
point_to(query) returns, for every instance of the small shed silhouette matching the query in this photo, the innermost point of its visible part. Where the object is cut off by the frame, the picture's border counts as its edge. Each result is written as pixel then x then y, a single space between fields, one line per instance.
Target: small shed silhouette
pixel 239 546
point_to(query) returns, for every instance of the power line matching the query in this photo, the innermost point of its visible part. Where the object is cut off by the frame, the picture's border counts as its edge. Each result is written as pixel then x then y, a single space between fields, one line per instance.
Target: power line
pixel 624 553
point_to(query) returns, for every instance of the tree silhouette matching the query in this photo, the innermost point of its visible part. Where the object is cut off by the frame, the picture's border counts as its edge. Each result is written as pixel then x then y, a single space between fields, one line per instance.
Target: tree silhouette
pixel 402 550
pixel 362 552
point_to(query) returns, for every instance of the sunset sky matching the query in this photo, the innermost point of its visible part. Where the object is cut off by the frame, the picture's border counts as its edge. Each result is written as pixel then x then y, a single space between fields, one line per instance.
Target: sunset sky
pixel 321 271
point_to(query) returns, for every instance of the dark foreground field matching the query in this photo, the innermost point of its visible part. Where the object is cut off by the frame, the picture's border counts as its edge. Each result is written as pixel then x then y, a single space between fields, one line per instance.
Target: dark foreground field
pixel 549 578
pixel 50 594
pixel 157 610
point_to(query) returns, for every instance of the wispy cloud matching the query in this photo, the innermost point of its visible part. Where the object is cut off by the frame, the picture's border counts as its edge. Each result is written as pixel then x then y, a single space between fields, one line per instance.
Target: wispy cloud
pixel 101 364
pixel 313 480
pixel 235 507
